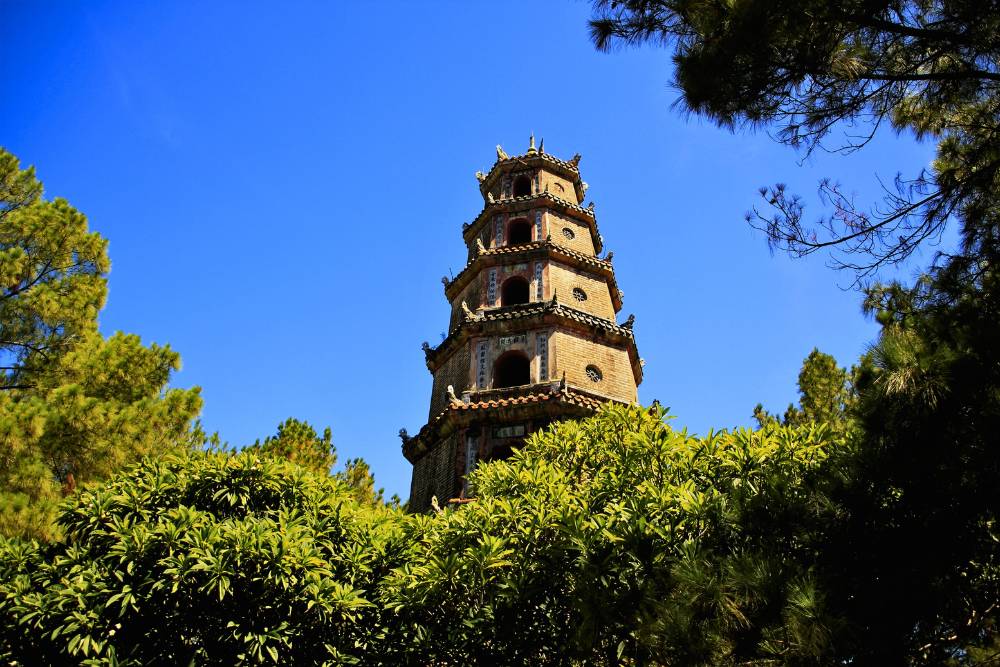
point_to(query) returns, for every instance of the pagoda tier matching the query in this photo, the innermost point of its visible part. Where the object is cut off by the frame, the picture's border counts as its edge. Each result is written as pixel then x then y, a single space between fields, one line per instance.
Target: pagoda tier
pixel 548 212
pixel 455 289
pixel 533 335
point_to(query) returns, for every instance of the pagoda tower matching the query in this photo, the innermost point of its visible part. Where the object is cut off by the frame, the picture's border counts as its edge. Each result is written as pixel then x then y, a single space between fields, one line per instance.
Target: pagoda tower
pixel 533 335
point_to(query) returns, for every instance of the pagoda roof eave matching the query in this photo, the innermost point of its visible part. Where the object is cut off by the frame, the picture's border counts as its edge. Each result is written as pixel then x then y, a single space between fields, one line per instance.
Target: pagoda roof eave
pixel 566 169
pixel 539 399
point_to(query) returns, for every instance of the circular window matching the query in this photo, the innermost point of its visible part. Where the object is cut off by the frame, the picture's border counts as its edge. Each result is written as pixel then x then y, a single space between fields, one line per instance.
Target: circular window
pixel 568 233
pixel 579 294
pixel 594 373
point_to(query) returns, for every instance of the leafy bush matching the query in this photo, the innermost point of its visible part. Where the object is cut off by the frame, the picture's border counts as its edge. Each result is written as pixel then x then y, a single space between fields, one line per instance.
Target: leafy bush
pixel 202 559
pixel 619 539
pixel 614 539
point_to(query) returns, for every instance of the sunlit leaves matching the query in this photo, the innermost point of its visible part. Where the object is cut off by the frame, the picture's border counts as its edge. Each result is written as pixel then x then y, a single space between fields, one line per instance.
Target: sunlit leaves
pixel 207 557
pixel 619 538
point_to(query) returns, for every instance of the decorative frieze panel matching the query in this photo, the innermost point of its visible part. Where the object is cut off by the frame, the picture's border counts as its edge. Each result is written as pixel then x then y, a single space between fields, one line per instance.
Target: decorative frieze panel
pixel 471 456
pixel 504 342
pixel 482 359
pixel 510 431
pixel 491 287
pixel 542 348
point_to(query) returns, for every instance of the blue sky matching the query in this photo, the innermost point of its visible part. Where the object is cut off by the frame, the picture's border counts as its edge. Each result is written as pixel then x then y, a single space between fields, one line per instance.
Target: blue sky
pixel 284 184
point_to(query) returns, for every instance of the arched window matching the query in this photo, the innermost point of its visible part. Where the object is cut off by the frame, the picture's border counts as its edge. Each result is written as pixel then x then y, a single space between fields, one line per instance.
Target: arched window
pixel 501 451
pixel 518 232
pixel 511 369
pixel 522 186
pixel 514 291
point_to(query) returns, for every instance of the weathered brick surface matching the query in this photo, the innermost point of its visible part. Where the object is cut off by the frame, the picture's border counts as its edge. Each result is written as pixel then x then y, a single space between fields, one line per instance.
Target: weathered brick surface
pixel 434 475
pixel 582 240
pixel 558 186
pixel 456 371
pixel 563 278
pixel 572 353
pixel 473 295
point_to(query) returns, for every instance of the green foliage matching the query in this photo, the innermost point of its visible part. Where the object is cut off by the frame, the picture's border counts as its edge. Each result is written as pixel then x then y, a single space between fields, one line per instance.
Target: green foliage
pixel 51 275
pixel 202 559
pixel 825 393
pixel 809 68
pixel 357 474
pixel 298 442
pixel 617 540
pixel 915 558
pixel 910 562
pixel 74 406
pixel 609 541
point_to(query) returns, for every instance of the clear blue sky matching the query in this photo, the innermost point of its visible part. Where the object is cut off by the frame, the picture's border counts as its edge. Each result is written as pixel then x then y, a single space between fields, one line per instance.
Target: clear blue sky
pixel 284 184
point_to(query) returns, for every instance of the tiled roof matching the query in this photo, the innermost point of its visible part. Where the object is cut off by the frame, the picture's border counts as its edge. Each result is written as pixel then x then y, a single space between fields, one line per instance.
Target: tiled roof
pixel 480 403
pixel 568 168
pixel 533 247
pixel 525 310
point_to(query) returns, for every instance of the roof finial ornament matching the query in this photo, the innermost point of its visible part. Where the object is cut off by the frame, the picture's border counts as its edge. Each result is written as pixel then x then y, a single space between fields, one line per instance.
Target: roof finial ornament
pixel 451 394
pixel 590 207
pixel 480 176
pixel 489 197
pixel 629 323
pixel 445 281
pixel 610 256
pixel 531 145
pixel 467 311
pixel 541 146
pixel 501 154
pixel 554 297
pixel 575 160
pixel 403 435
pixel 480 248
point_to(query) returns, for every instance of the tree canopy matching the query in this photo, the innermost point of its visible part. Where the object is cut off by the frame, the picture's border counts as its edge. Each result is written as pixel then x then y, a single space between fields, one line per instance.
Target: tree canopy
pixel 911 558
pixel 830 75
pixel 825 394
pixel 613 540
pixel 298 442
pixel 201 558
pixel 74 406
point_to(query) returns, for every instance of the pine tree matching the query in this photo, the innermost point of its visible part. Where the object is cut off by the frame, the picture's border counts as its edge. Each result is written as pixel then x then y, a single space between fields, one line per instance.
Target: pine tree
pixel 74 406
